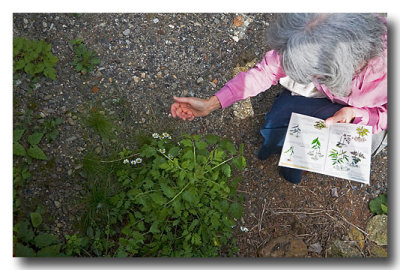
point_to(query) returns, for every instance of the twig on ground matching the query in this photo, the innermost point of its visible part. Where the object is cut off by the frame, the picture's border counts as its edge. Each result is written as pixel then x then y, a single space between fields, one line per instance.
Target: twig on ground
pixel 260 220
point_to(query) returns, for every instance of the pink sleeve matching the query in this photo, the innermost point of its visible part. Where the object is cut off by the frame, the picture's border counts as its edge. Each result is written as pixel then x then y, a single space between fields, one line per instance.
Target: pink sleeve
pixel 375 117
pixel 254 81
pixel 369 95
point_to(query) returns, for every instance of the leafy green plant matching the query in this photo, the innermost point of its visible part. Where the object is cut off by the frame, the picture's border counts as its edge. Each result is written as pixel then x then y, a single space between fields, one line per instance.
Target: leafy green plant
pixel 20 175
pixel 316 149
pixel 379 205
pixel 76 245
pixel 171 199
pixel 29 241
pixel 362 132
pixel 320 124
pixel 50 128
pixel 290 152
pixel 34 150
pixel 338 157
pixel 34 57
pixel 85 60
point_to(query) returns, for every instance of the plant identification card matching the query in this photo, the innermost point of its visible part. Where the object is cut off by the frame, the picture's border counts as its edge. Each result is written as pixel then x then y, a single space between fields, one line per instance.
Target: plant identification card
pixel 342 150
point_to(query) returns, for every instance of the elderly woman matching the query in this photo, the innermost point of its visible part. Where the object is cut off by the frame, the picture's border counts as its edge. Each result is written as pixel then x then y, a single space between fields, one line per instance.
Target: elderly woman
pixel 333 67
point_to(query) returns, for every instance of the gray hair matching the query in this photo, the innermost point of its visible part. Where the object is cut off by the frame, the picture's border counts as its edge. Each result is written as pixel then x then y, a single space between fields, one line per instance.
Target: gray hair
pixel 329 48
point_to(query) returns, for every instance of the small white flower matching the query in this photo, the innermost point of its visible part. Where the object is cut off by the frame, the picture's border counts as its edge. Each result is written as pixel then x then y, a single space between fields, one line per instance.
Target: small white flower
pixel 244 229
pixel 138 160
pixel 126 161
pixel 162 151
pixel 166 135
pixel 133 162
pixel 170 156
pixel 156 135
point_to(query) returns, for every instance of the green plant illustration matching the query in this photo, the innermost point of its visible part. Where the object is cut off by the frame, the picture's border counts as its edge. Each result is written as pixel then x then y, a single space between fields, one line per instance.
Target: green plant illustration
pixel 320 124
pixel 361 132
pixel 315 153
pixel 85 60
pixel 344 139
pixel 356 158
pixel 290 152
pixel 295 130
pixel 34 57
pixel 339 159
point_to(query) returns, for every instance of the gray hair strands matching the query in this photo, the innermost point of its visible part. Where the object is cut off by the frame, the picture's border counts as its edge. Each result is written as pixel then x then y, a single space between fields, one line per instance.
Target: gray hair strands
pixel 329 48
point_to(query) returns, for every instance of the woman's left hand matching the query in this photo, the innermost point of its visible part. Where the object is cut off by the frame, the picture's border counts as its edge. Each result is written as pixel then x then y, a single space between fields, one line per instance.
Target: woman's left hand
pixel 344 115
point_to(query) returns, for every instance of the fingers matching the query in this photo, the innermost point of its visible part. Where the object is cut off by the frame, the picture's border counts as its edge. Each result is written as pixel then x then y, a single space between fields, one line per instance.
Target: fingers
pixel 174 107
pixel 330 121
pixel 334 119
pixel 181 111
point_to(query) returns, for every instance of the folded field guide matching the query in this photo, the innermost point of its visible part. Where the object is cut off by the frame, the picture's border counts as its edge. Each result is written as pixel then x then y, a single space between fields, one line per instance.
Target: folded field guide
pixel 340 150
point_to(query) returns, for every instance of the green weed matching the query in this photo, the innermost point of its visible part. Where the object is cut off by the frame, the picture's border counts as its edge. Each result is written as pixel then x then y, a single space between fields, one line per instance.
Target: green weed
pixel 34 57
pixel 100 123
pixel 379 205
pixel 85 60
pixel 29 241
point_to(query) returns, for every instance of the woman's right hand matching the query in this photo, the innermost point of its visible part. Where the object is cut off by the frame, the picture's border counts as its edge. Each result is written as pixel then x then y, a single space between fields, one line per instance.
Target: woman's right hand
pixel 187 108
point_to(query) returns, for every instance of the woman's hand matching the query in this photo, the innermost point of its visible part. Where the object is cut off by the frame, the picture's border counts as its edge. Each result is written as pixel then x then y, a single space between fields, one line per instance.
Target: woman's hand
pixel 344 115
pixel 187 108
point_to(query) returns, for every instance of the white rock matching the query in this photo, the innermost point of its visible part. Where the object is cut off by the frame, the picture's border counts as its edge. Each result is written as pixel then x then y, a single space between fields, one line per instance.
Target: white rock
pixel 235 38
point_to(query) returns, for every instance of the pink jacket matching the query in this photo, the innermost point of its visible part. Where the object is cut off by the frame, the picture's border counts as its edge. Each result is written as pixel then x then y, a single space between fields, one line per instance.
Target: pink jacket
pixel 368 95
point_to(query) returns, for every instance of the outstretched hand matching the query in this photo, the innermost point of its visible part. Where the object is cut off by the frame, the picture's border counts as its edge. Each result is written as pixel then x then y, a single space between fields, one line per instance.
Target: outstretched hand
pixel 187 108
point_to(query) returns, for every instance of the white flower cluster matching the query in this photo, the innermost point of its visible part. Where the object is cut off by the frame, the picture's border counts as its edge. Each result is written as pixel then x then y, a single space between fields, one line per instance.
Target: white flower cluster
pixel 164 135
pixel 133 161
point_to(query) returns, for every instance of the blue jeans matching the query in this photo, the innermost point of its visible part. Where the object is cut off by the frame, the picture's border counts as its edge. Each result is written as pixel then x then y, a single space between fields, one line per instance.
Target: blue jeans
pixel 277 121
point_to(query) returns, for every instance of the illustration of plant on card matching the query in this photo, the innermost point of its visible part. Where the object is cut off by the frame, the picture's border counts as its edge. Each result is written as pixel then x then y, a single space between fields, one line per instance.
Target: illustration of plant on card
pixel 344 139
pixel 356 158
pixel 295 130
pixel 339 160
pixel 290 152
pixel 362 133
pixel 315 152
pixel 320 124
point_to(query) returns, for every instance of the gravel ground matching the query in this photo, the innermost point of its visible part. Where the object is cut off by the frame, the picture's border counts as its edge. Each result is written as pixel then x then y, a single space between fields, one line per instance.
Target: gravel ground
pixel 146 59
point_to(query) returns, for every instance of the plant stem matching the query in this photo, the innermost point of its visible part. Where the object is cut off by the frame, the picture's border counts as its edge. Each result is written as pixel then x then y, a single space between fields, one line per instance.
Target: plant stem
pixel 194 155
pixel 179 167
pixel 179 193
pixel 222 163
pixel 143 193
